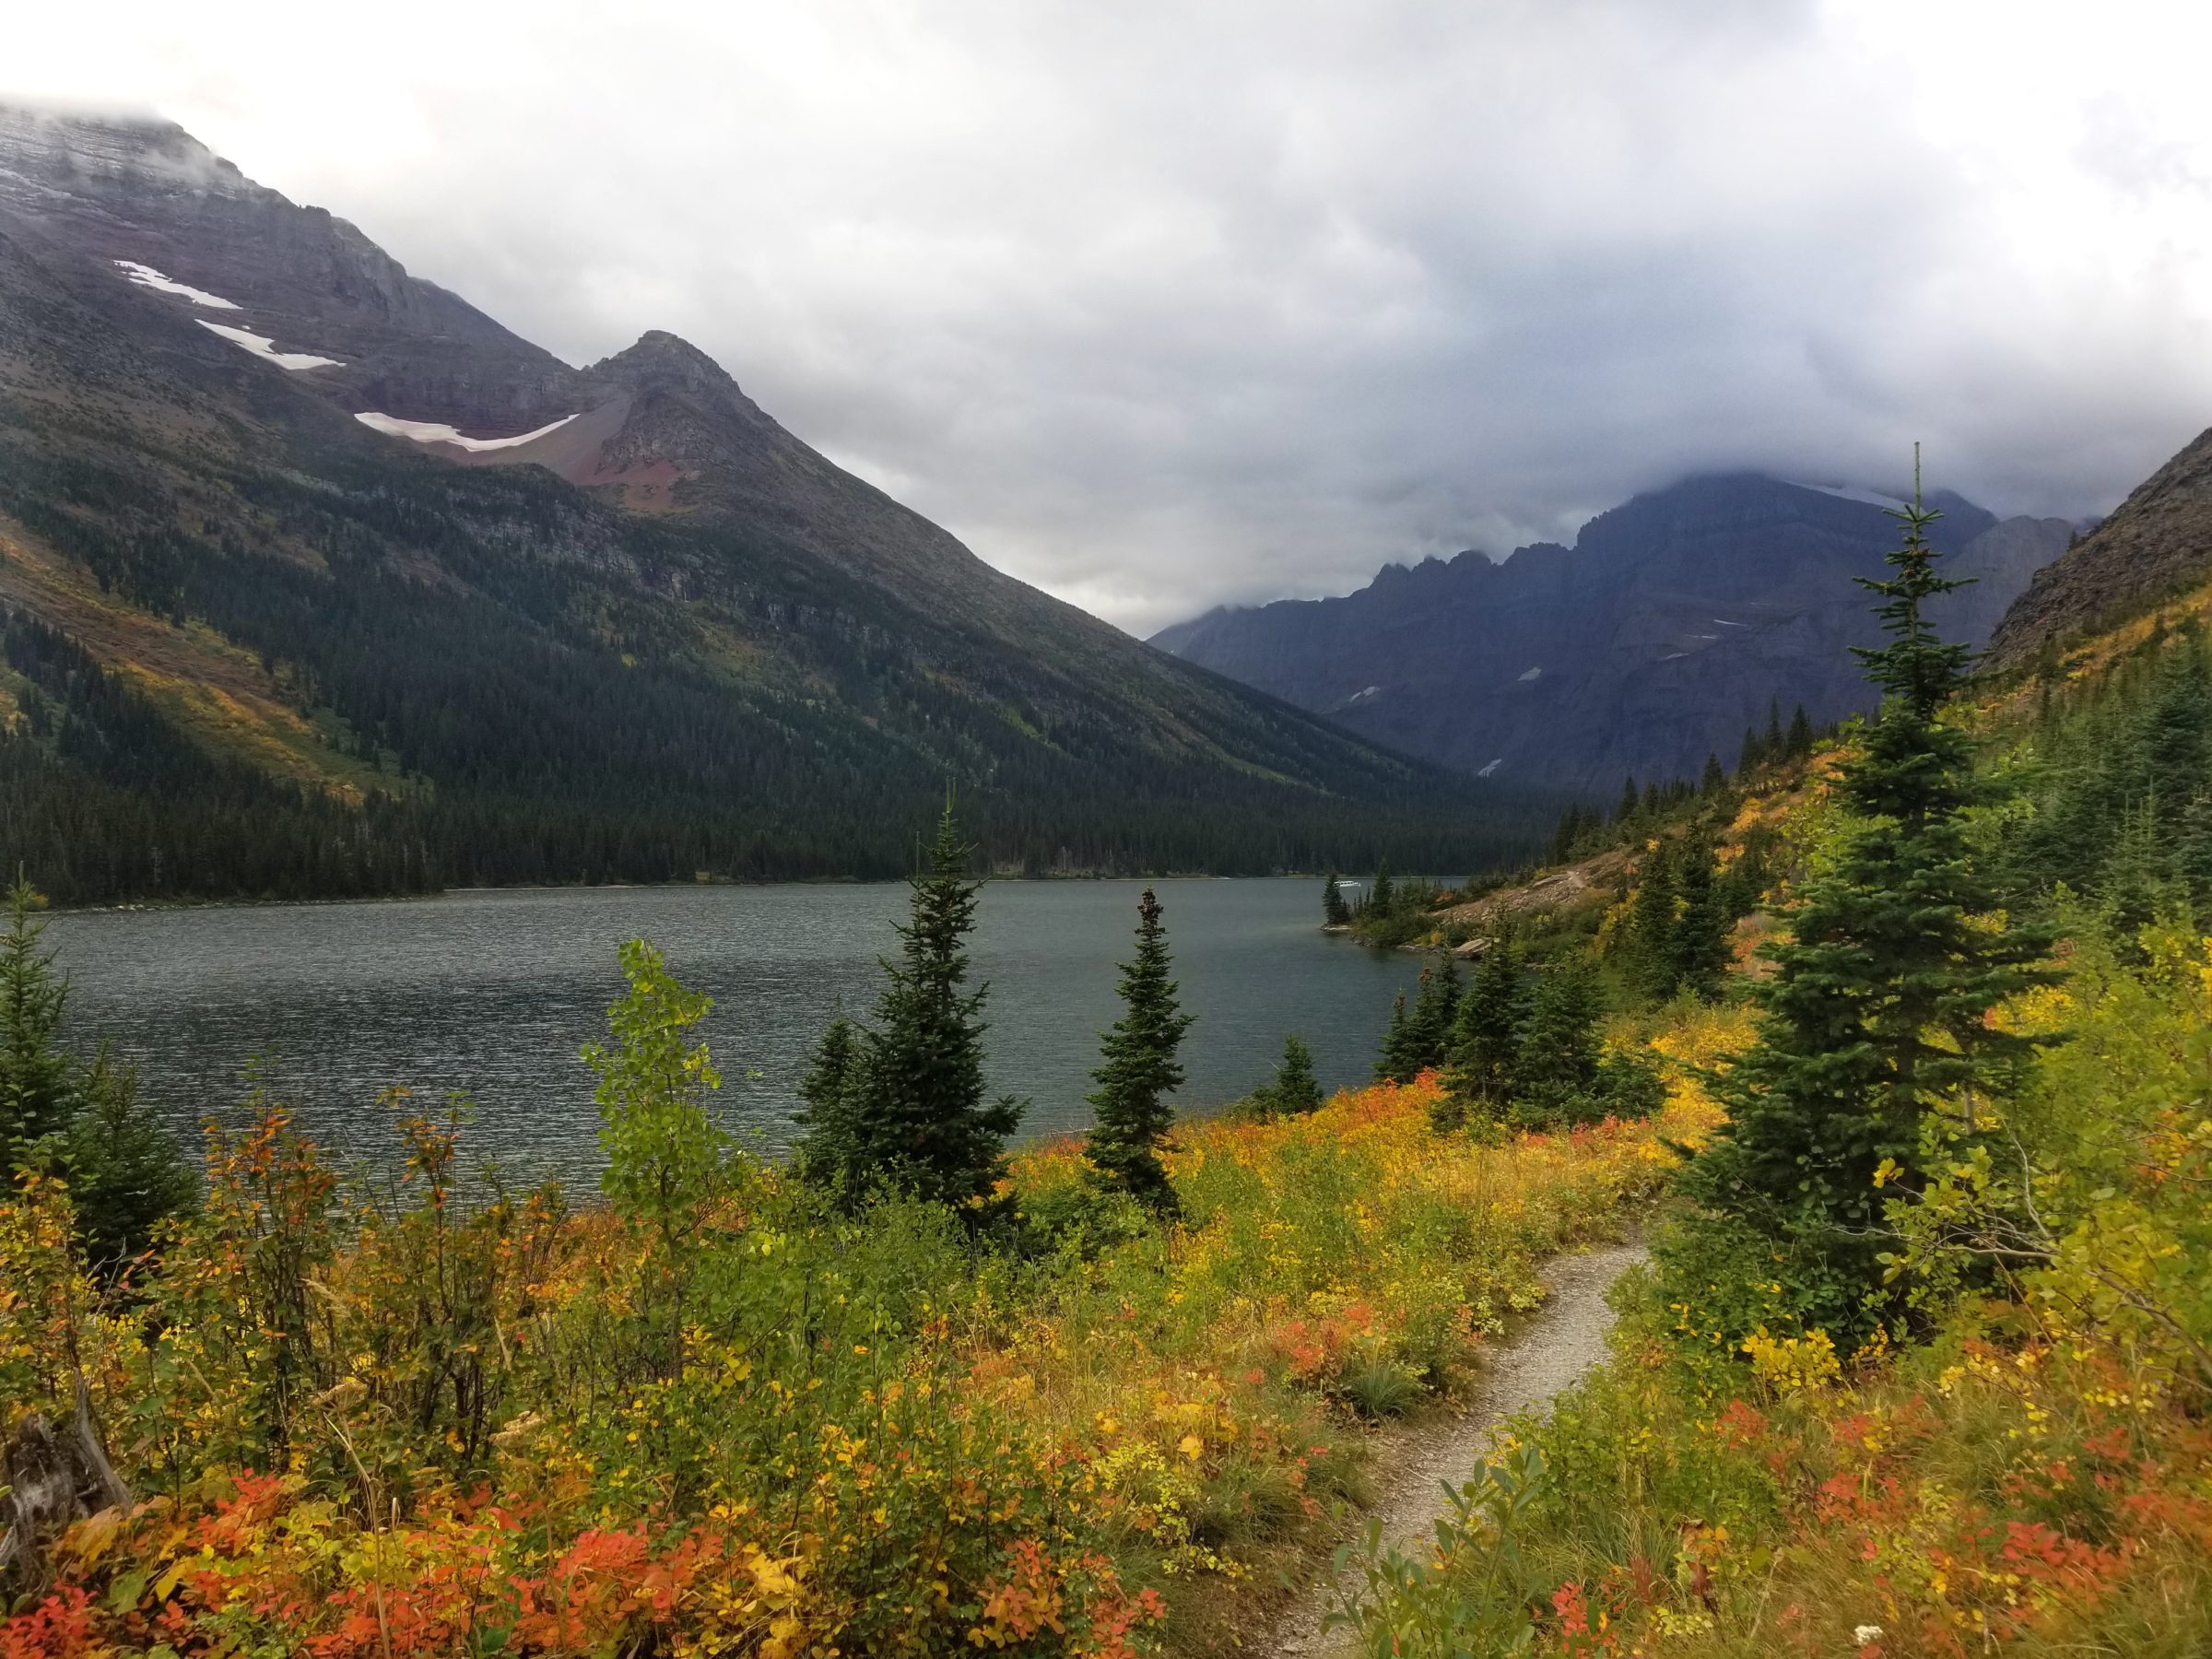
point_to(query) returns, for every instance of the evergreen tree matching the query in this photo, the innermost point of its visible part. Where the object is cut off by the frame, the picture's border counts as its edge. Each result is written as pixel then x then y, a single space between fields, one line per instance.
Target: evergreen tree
pixel 1576 825
pixel 1798 743
pixel 1697 951
pixel 918 1118
pixel 1556 1060
pixel 1714 780
pixel 1335 912
pixel 1294 1090
pixel 1774 745
pixel 1486 1039
pixel 1428 1026
pixel 1873 1018
pixel 1130 1114
pixel 38 1084
pixel 84 1122
pixel 1650 928
pixel 1748 758
pixel 124 1170
pixel 1382 896
pixel 1395 1061
pixel 1625 809
pixel 830 1147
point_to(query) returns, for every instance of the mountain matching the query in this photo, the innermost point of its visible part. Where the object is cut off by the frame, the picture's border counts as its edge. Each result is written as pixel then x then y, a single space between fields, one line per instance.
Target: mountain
pixel 1672 624
pixel 2157 541
pixel 317 579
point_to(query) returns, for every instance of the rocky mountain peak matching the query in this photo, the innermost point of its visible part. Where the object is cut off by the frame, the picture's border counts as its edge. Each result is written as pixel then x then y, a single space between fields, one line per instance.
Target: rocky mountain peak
pixel 661 361
pixel 50 154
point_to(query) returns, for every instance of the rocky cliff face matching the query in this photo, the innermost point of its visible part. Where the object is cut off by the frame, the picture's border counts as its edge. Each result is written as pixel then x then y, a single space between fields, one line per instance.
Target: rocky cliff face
pixel 111 201
pixel 1671 626
pixel 2160 540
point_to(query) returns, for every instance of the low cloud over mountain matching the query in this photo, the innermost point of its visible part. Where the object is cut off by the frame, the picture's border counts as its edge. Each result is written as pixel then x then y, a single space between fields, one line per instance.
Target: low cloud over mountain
pixel 1164 307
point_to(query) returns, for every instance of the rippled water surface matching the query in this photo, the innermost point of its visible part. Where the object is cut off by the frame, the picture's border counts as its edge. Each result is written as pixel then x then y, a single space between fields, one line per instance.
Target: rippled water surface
pixel 492 993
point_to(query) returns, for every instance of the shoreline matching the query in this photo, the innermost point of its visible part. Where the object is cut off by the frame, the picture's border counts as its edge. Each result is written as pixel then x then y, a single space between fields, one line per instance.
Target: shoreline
pixel 149 906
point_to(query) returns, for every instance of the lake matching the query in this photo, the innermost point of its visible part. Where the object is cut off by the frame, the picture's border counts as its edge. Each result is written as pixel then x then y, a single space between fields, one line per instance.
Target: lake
pixel 491 994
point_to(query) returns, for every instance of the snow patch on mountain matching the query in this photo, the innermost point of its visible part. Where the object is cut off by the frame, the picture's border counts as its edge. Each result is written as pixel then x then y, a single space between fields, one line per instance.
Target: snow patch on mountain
pixel 1850 492
pixel 437 431
pixel 260 345
pixel 146 277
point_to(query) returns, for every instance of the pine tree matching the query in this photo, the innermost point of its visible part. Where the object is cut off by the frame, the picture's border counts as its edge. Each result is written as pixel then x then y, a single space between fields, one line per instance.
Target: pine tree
pixel 917 1115
pixel 1556 1061
pixel 1428 1026
pixel 1625 809
pixel 1748 758
pixel 1575 823
pixel 38 1086
pixel 1381 896
pixel 1486 1039
pixel 1395 1060
pixel 1294 1090
pixel 1697 949
pixel 1798 743
pixel 1130 1114
pixel 1649 932
pixel 1873 1018
pixel 1650 929
pixel 125 1168
pixel 1335 912
pixel 1714 780
pixel 1774 743
pixel 828 1149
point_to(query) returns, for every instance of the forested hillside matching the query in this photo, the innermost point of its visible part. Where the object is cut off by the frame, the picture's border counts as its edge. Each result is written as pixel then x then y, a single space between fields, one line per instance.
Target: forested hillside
pixel 261 647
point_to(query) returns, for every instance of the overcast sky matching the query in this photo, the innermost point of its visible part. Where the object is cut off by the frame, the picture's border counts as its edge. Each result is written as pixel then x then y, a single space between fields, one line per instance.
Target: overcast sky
pixel 1163 304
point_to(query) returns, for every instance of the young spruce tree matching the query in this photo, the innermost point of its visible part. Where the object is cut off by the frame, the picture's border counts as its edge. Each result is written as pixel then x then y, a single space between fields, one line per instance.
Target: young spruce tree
pixel 1873 1018
pixel 1697 949
pixel 1294 1089
pixel 1486 1037
pixel 1130 1112
pixel 38 1083
pixel 828 1149
pixel 1435 1010
pixel 1395 1060
pixel 912 1114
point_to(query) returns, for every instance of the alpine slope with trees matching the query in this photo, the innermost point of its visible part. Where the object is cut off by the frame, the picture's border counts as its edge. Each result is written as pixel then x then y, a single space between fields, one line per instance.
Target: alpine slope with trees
pixel 256 640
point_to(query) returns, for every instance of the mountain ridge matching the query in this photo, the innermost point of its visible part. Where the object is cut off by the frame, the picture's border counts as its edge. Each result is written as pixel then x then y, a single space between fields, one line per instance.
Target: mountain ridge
pixel 1675 622
pixel 2156 542
pixel 685 642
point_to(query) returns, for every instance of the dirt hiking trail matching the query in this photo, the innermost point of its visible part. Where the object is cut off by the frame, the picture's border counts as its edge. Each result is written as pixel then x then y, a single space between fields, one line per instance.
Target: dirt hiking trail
pixel 1552 1347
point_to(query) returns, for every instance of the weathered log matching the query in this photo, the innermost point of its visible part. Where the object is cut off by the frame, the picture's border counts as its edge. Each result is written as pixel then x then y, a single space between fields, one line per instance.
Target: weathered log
pixel 53 1477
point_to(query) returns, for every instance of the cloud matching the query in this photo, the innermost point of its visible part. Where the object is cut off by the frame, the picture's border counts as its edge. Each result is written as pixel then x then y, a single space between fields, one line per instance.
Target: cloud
pixel 1161 305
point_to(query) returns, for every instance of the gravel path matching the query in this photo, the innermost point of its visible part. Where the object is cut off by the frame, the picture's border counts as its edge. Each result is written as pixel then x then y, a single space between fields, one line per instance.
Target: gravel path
pixel 1558 1344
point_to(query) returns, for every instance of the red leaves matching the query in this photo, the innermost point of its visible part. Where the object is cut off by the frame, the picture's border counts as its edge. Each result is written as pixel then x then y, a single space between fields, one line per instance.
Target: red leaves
pixel 60 1626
